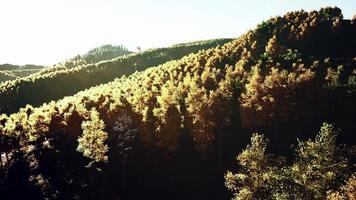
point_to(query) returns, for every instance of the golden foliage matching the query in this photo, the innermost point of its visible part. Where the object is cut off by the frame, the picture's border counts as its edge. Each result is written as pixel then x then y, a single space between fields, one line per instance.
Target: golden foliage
pixel 92 142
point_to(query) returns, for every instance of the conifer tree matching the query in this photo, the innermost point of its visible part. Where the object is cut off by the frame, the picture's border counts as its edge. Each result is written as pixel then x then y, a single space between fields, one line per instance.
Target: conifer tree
pixel 92 141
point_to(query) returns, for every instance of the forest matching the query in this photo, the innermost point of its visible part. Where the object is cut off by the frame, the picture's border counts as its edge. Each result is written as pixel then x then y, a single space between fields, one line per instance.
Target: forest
pixel 104 52
pixel 268 115
pixel 77 74
pixel 11 72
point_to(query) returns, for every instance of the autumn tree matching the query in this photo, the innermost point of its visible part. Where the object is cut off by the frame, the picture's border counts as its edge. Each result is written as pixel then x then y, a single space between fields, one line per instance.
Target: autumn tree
pixel 345 192
pixel 273 47
pixel 273 97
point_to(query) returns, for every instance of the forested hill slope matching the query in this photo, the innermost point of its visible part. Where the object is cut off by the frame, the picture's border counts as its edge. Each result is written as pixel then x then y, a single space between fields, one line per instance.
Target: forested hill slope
pixel 104 52
pixel 17 67
pixel 5 76
pixel 55 83
pixel 283 78
pixel 11 72
pixel 95 55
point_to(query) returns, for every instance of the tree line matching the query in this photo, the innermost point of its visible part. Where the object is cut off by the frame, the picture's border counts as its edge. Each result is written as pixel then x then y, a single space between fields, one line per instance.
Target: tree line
pixel 267 80
pixel 75 75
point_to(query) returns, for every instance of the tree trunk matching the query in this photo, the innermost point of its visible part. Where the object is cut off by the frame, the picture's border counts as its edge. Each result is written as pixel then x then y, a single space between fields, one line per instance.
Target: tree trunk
pixel 1 166
pixel 123 174
pixel 220 149
pixel 7 157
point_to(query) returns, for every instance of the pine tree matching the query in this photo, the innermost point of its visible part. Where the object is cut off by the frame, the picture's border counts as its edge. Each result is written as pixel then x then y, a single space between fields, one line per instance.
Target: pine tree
pixel 92 141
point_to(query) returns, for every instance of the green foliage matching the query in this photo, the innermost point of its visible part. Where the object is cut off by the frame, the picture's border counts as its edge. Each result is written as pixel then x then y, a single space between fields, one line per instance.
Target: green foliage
pixel 331 13
pixel 352 81
pixel 266 28
pixel 256 174
pixel 291 55
pixel 105 52
pixel 320 166
pixel 320 163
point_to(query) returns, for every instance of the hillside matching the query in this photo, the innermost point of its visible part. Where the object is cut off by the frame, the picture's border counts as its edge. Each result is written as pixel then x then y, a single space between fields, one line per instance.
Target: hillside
pixel 104 52
pixel 5 76
pixel 174 129
pixel 75 75
pixel 11 72
pixel 95 55
pixel 18 67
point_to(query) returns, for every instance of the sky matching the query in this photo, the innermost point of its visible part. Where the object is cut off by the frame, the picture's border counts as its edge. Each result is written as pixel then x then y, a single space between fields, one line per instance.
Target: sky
pixel 46 32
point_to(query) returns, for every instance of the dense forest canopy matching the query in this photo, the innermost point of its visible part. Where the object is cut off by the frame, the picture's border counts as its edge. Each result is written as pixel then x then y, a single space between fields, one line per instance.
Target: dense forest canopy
pixel 104 52
pixel 283 79
pixel 75 75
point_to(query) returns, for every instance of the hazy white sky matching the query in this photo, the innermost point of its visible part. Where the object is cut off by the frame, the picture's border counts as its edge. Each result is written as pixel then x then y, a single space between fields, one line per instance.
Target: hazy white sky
pixel 48 31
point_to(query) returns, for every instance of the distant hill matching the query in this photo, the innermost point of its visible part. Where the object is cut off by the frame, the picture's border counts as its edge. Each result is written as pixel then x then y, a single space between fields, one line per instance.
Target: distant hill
pixel 75 74
pixel 18 67
pixel 105 52
pixel 11 72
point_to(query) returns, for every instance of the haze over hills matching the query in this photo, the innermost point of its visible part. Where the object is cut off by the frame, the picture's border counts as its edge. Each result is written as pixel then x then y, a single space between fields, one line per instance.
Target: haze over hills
pixel 56 36
pixel 167 123
pixel 104 52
